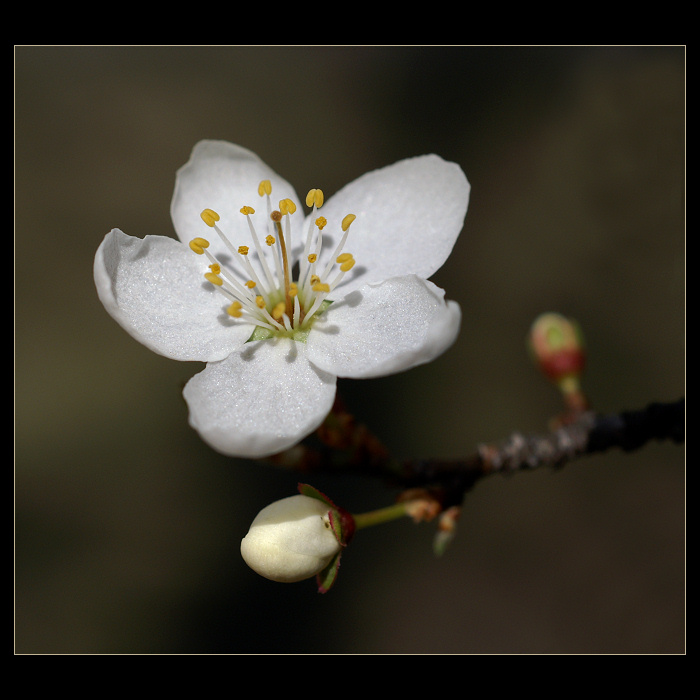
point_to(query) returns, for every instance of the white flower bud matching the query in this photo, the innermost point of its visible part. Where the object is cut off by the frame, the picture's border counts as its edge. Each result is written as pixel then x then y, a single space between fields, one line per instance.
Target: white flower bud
pixel 290 540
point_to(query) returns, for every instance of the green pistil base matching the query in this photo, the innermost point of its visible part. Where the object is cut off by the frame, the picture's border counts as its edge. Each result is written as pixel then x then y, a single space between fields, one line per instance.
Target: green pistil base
pixel 298 334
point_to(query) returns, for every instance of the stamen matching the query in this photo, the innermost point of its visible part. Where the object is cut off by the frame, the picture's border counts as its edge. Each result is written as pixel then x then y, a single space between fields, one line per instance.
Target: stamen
pixel 297 312
pixel 242 302
pixel 258 248
pixel 345 226
pixel 320 222
pixel 265 190
pixel 199 246
pixel 321 292
pixel 255 280
pixel 346 262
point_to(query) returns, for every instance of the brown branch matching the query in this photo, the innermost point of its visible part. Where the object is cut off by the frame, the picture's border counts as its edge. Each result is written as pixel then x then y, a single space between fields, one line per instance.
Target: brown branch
pixel 346 446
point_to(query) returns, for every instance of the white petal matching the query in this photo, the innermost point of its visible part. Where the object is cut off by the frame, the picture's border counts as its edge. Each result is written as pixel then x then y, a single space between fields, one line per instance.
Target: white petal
pixel 409 216
pixel 383 329
pixel 155 289
pixel 261 400
pixel 224 177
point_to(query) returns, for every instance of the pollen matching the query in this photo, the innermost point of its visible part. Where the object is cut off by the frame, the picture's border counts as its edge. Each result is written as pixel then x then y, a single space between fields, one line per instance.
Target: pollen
pixel 321 222
pixel 250 284
pixel 278 311
pixel 198 245
pixel 235 309
pixel 243 249
pixel 213 278
pixel 287 206
pixel 209 217
pixel 247 211
pixel 345 225
pixel 314 198
pixel 321 287
pixel 265 187
pixel 312 258
pixel 270 240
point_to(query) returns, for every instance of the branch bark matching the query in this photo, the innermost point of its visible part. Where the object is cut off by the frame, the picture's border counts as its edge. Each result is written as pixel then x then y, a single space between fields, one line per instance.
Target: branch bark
pixel 349 447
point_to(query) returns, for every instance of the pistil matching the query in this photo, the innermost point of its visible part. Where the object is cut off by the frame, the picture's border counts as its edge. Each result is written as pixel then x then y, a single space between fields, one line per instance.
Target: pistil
pixel 276 217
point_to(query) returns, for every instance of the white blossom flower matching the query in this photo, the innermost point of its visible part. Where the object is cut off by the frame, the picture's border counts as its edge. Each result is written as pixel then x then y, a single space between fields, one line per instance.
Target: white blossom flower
pixel 291 540
pixel 279 304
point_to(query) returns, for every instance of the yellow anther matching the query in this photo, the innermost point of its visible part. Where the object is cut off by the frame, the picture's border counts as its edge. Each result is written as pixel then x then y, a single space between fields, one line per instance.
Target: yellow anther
pixel 260 302
pixel 209 217
pixel 345 225
pixel 243 249
pixel 198 245
pixel 320 222
pixel 321 287
pixel 270 240
pixel 250 284
pixel 278 311
pixel 348 264
pixel 247 210
pixel 315 279
pixel 312 258
pixel 287 206
pixel 314 197
pixel 293 289
pixel 265 187
pixel 343 257
pixel 213 278
pixel 215 268
pixel 235 309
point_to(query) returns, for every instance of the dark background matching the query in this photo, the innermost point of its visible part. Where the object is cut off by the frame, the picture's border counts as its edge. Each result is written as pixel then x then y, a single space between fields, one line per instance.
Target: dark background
pixel 127 526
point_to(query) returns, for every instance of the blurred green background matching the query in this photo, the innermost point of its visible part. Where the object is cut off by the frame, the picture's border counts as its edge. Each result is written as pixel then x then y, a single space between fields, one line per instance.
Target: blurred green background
pixel 127 526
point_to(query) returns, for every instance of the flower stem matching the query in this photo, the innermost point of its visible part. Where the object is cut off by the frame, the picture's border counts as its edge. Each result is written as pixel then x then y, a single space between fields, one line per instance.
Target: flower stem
pixel 381 515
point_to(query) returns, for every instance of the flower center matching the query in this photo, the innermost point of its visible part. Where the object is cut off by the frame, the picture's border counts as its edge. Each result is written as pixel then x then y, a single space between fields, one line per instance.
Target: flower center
pixel 270 298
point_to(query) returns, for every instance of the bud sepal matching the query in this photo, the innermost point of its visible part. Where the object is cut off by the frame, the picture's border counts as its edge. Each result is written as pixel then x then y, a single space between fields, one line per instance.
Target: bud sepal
pixel 343 526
